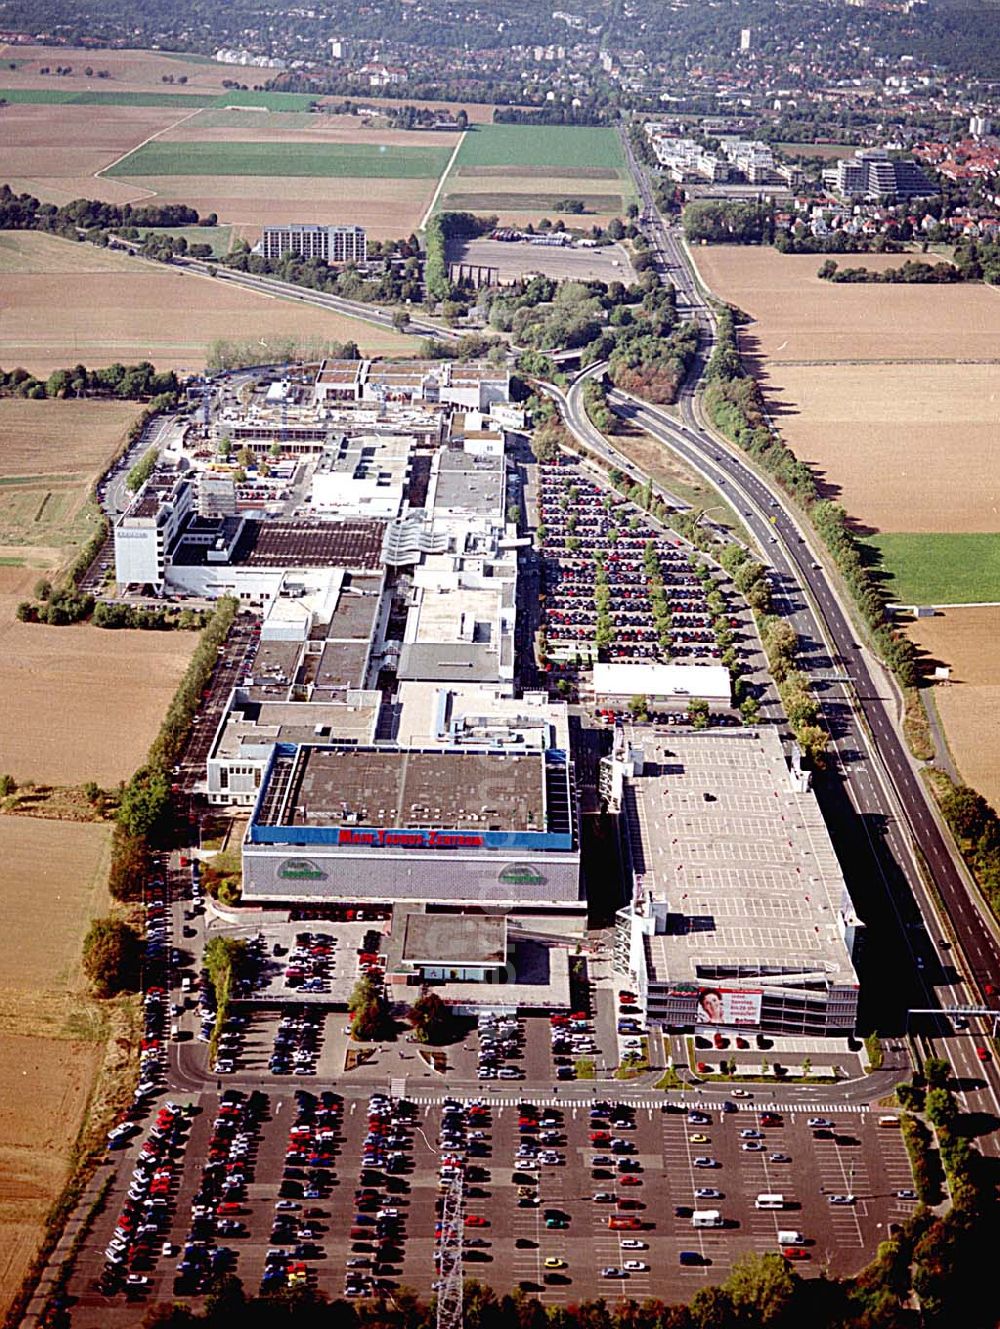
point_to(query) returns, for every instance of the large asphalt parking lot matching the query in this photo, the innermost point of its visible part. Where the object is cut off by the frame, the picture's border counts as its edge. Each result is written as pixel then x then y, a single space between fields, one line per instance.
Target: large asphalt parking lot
pixel 855 1156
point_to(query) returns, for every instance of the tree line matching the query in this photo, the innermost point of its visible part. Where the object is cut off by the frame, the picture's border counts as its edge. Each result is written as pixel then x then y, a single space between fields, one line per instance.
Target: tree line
pixel 441 228
pixel 909 273
pixel 800 241
pixel 717 222
pixel 139 382
pixel 396 277
pixel 976 828
pixel 24 212
pixel 143 819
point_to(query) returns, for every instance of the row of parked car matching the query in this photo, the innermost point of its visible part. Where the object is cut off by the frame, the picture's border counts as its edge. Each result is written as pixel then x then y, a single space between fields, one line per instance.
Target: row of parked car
pixel 219 1203
pixel 501 1040
pixel 314 1141
pixel 297 1042
pixel 145 1215
pixel 581 520
pixel 464 1143
pixel 378 1229
pixel 311 962
pixel 572 1037
pixel 155 968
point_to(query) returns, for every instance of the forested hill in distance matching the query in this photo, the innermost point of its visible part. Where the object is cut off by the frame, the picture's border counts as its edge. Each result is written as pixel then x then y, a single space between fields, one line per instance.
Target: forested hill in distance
pixel 959 35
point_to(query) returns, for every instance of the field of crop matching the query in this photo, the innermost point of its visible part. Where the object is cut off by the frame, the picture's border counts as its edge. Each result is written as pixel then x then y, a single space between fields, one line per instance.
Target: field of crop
pixel 130 310
pixel 189 101
pixel 888 391
pixel 56 871
pixel 52 453
pixel 828 151
pixel 800 319
pixel 89 701
pixel 534 201
pixel 368 135
pixel 219 237
pixel 521 172
pixel 53 151
pixel 541 145
pixel 56 151
pixel 368 160
pixel 45 1085
pixel 929 569
pixel 969 704
pixel 58 868
pixel 927 434
pixel 130 70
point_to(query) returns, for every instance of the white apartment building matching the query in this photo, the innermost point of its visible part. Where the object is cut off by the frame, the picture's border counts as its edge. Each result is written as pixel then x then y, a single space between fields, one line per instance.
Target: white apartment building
pixel 334 244
pixel 684 159
pixel 751 158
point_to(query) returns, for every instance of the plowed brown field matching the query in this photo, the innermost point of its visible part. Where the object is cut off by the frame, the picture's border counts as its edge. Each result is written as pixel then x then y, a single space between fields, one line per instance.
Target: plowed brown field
pixel 44 1088
pixel 969 705
pixel 889 391
pixel 53 151
pixel 131 310
pixel 89 701
pixel 56 871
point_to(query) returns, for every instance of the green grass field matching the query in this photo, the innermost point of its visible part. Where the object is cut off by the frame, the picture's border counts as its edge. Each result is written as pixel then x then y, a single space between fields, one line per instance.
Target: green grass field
pixel 564 146
pixel 940 569
pixel 219 237
pixel 271 101
pixel 363 160
pixel 500 202
pixel 66 97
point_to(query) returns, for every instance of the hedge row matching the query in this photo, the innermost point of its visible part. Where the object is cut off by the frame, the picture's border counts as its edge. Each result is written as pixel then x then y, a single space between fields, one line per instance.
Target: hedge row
pixel 144 811
pixel 924 1159
pixel 441 228
pixel 976 829
pixel 223 959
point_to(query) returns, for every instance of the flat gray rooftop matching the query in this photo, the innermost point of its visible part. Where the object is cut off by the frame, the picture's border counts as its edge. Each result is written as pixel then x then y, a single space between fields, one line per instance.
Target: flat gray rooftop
pixel 357 608
pixel 473 791
pixel 342 665
pixel 252 723
pixel 461 662
pixel 473 484
pixel 276 662
pixel 744 862
pixel 454 939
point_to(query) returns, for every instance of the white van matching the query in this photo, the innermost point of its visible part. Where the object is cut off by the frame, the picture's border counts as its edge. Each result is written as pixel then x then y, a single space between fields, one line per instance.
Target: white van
pixel 791 1238
pixel 769 1202
pixel 706 1218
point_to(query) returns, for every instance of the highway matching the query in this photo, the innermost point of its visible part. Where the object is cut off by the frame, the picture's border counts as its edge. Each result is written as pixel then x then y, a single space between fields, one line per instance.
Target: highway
pixel 891 808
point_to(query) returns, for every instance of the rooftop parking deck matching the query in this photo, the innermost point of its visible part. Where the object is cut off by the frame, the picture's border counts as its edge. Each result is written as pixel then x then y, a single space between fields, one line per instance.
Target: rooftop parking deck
pixel 744 861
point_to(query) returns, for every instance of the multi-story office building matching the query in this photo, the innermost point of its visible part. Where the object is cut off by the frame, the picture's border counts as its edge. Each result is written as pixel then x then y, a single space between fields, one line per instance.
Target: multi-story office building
pixel 334 244
pixel 871 173
pixel 149 531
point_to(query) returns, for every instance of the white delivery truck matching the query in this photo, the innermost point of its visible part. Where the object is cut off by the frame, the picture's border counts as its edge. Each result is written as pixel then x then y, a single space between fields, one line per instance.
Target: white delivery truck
pixel 791 1238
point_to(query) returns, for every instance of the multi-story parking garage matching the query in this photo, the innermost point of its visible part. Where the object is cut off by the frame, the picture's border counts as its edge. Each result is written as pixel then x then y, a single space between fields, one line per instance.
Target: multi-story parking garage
pixel 740 917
